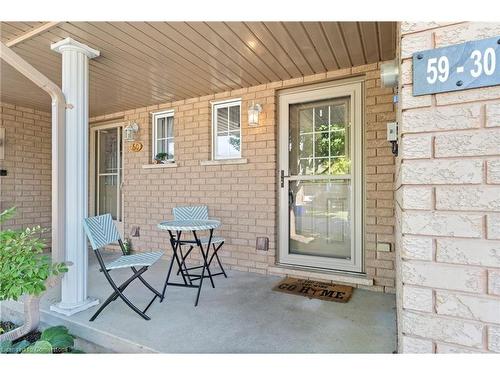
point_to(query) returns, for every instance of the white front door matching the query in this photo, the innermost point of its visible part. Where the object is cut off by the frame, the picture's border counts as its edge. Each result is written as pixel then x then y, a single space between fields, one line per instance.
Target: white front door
pixel 320 177
pixel 108 157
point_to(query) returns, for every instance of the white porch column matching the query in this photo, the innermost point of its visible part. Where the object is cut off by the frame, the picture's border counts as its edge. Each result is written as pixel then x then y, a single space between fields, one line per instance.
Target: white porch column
pixel 75 86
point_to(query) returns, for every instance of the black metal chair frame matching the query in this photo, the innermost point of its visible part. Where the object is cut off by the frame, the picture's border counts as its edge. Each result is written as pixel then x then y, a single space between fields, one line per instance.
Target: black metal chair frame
pixel 214 254
pixel 176 241
pixel 118 289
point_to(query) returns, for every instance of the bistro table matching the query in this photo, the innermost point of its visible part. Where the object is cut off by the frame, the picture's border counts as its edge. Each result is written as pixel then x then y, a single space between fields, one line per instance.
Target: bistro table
pixel 175 229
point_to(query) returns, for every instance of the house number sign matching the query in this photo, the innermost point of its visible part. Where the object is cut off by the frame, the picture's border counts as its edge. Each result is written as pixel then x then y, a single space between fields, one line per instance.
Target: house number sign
pixel 459 67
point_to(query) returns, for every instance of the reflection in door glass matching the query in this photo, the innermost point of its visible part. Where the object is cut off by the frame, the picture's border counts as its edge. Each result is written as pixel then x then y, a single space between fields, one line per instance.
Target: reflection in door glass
pixel 319 138
pixel 108 142
pixel 320 218
pixel 108 195
pixel 109 172
pixel 120 174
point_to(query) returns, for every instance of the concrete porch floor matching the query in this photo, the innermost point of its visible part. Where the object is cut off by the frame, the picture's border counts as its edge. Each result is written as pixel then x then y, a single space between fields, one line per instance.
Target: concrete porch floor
pixel 241 315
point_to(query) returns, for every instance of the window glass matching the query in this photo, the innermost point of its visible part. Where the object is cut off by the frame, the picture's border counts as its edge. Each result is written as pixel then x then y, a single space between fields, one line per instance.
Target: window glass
pixel 163 142
pixel 227 130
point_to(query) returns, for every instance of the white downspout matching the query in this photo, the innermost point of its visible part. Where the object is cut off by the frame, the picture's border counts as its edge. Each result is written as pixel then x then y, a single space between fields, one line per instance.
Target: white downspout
pixel 58 136
pixel 31 303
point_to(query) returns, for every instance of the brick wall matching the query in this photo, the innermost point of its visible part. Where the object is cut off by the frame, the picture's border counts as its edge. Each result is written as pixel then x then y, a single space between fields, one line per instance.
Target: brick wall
pixel 379 184
pixel 28 163
pixel 244 196
pixel 448 206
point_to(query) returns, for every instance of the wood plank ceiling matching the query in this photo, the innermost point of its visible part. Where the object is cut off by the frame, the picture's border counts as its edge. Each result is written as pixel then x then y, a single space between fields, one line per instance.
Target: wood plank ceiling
pixel 145 63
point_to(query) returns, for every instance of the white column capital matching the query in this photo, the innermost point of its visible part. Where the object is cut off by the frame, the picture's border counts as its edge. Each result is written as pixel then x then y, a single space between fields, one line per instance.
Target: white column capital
pixel 69 44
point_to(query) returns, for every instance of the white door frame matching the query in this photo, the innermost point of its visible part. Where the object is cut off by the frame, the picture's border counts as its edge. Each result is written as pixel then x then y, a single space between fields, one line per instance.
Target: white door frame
pixel 92 171
pixel 354 89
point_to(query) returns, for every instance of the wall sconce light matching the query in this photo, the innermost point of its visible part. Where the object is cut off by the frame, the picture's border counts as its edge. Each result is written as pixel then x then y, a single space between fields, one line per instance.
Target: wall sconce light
pixel 253 114
pixel 130 132
pixel 389 74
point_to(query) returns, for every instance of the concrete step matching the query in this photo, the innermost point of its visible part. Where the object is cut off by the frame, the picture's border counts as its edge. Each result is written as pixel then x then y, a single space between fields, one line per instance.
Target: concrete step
pixel 88 339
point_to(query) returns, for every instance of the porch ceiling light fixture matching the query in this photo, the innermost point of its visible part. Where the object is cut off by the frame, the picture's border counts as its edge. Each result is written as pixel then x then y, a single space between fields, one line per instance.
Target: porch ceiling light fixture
pixel 253 114
pixel 130 132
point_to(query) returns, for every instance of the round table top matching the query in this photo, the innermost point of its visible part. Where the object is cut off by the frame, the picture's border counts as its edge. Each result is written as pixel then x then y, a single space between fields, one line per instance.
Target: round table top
pixel 183 225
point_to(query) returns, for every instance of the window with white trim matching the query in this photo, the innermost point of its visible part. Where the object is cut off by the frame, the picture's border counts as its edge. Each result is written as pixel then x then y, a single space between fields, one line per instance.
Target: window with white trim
pixel 226 126
pixel 163 136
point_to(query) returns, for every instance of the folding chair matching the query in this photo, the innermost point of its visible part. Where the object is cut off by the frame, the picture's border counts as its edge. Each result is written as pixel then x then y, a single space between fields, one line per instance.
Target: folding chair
pixel 101 231
pixel 198 213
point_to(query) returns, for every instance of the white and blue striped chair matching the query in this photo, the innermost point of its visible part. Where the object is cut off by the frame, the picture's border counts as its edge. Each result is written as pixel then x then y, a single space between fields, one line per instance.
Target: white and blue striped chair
pixel 199 213
pixel 101 231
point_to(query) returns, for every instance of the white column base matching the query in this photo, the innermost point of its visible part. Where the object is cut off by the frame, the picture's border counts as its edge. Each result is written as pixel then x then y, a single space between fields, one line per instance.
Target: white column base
pixel 71 310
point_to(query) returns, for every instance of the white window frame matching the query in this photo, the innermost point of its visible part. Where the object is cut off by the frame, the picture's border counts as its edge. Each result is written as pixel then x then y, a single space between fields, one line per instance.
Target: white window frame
pixel 155 117
pixel 215 106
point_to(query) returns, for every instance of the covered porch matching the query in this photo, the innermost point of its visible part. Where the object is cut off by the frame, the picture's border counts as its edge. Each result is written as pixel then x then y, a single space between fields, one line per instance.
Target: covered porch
pixel 135 73
pixel 241 315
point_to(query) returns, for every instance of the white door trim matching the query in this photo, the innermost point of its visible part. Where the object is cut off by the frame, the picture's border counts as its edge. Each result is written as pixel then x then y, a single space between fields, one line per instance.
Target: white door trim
pixel 92 170
pixel 354 89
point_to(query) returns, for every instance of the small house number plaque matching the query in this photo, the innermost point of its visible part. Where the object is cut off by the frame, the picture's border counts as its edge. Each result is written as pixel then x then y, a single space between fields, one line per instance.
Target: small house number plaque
pixel 459 67
pixel 136 147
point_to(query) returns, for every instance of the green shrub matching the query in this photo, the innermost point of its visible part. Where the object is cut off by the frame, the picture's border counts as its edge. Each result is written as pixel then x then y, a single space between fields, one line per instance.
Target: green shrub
pixel 23 269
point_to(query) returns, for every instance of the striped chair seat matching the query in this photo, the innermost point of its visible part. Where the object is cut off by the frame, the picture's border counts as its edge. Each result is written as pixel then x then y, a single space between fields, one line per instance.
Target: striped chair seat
pixel 215 239
pixel 135 260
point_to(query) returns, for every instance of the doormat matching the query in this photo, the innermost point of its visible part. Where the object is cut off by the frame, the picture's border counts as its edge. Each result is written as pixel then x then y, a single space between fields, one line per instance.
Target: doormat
pixel 315 289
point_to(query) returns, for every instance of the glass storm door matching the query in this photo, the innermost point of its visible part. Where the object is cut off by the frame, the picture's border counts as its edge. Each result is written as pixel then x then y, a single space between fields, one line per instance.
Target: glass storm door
pixel 320 177
pixel 108 179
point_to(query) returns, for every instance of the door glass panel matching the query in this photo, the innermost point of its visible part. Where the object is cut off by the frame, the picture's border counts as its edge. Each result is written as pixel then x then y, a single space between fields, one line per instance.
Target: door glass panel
pixel 306 120
pixel 109 172
pixel 320 206
pixel 108 195
pixel 319 138
pixel 321 117
pixel 320 218
pixel 120 174
pixel 107 151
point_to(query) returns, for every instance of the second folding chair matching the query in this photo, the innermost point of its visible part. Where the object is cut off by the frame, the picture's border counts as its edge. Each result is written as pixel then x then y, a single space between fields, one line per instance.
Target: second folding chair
pixel 198 213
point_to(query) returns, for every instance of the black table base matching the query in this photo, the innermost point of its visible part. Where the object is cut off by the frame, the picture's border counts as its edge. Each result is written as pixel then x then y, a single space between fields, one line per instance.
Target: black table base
pixel 184 271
